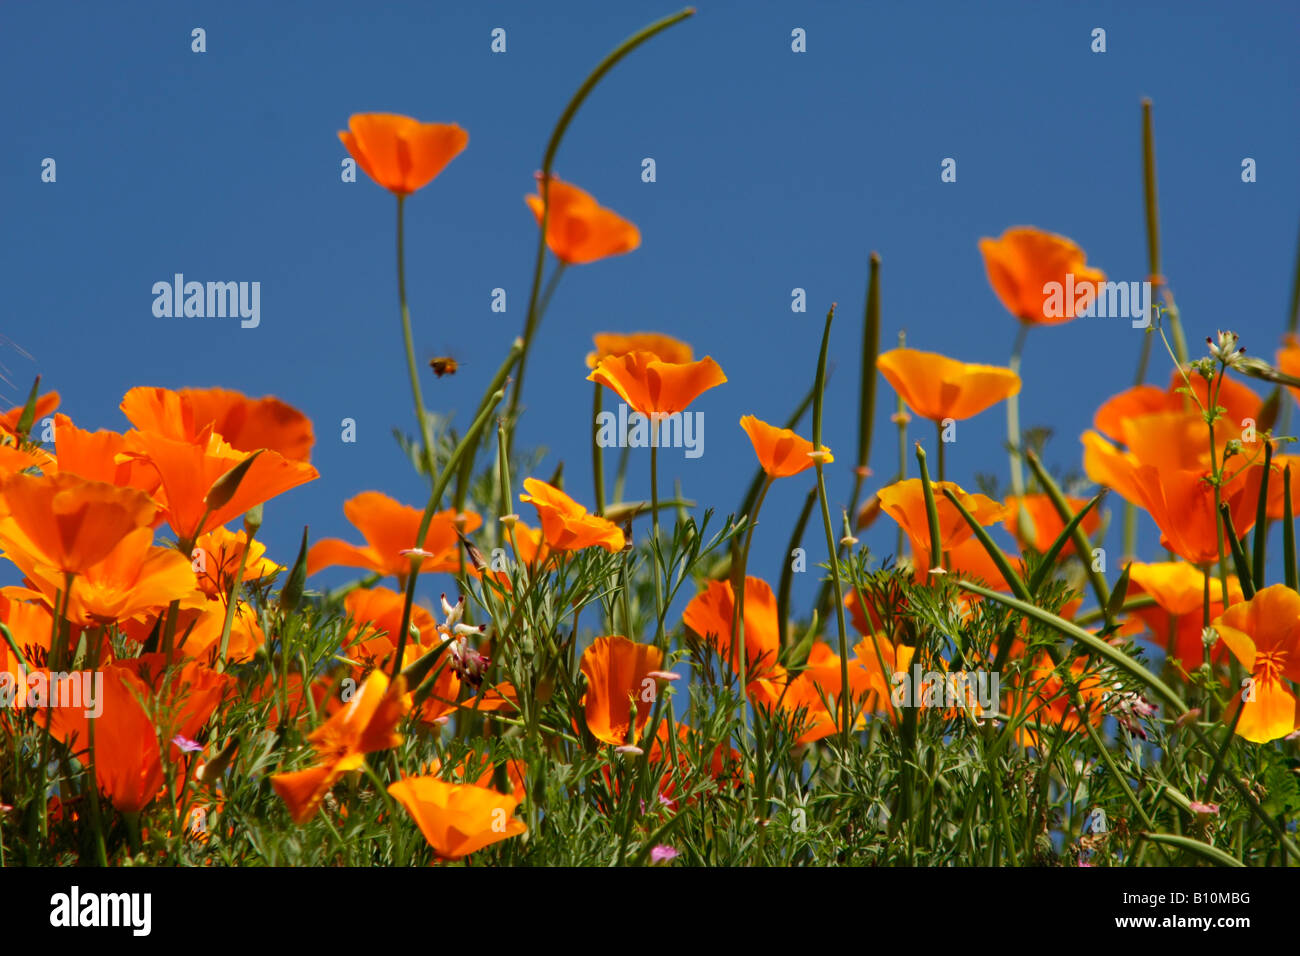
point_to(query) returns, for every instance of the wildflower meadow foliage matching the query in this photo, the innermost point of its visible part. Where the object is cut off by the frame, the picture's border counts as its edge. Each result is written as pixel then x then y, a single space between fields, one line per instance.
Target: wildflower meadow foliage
pixel 175 693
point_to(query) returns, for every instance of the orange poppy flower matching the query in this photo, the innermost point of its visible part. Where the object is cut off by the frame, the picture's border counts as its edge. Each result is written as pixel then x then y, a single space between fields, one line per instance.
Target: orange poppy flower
pixel 904 501
pixel 567 525
pixel 399 153
pixel 67 522
pixel 1181 502
pixel 133 578
pixel 1176 620
pixel 819 685
pixel 31 623
pixel 45 405
pixel 390 528
pixel 128 761
pixel 578 229
pixel 457 818
pixel 366 724
pixel 183 699
pixel 189 470
pixel 478 769
pixel 529 548
pixel 498 697
pixel 802 702
pixel 616 669
pixel 1025 260
pixel 100 456
pixel 1238 401
pixel 376 614
pixel 1264 635
pixel 654 387
pixel 710 614
pixel 198 631
pixel 1277 483
pixel 780 451
pixel 247 424
pixel 216 558
pixel 13 459
pixel 970 560
pixel 723 766
pixel 937 387
pixel 665 347
pixel 1047 524
pixel 1041 702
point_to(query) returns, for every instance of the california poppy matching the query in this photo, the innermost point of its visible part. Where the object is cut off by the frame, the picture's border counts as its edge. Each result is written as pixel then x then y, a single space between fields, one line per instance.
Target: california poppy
pixel 14 458
pixel 1238 401
pixel 617 671
pixel 391 528
pixel 247 424
pixel 567 525
pixel 709 614
pixel 1040 701
pixel 904 501
pixel 937 387
pixel 781 452
pixel 654 387
pixel 1047 523
pixel 1181 502
pixel 1264 635
pixel 67 522
pixel 198 631
pixel 1023 263
pixel 478 769
pixel 45 406
pixel 457 818
pixel 217 556
pixel 190 470
pixel 366 724
pixel 399 153
pixel 578 229
pixel 128 761
pixel 376 615
pixel 100 456
pixel 1288 362
pixel 1176 620
pixel 134 577
pixel 667 348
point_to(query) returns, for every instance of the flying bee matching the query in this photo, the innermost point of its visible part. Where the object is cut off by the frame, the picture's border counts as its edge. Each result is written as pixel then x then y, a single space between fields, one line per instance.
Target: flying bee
pixel 443 365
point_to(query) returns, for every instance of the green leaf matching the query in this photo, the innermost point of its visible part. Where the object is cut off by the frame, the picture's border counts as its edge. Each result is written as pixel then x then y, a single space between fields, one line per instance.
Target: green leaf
pixel 1203 850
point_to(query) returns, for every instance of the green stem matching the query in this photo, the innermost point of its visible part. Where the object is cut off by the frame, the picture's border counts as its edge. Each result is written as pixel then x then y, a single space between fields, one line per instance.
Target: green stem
pixel 597 453
pixel 654 535
pixel 552 146
pixel 1013 418
pixel 421 415
pixel 819 400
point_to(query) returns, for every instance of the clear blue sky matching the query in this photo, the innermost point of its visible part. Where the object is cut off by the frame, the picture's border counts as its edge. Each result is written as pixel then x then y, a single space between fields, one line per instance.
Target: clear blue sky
pixel 775 170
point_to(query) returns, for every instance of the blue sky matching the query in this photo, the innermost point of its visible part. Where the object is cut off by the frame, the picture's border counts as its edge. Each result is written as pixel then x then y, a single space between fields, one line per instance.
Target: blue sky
pixel 775 170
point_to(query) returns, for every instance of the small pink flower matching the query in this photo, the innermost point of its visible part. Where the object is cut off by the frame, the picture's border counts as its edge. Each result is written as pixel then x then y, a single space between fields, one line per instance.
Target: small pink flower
pixel 1210 809
pixel 186 745
pixel 662 854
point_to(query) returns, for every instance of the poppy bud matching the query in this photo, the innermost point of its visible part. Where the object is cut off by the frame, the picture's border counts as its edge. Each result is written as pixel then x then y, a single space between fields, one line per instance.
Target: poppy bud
pixel 224 488
pixel 291 593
